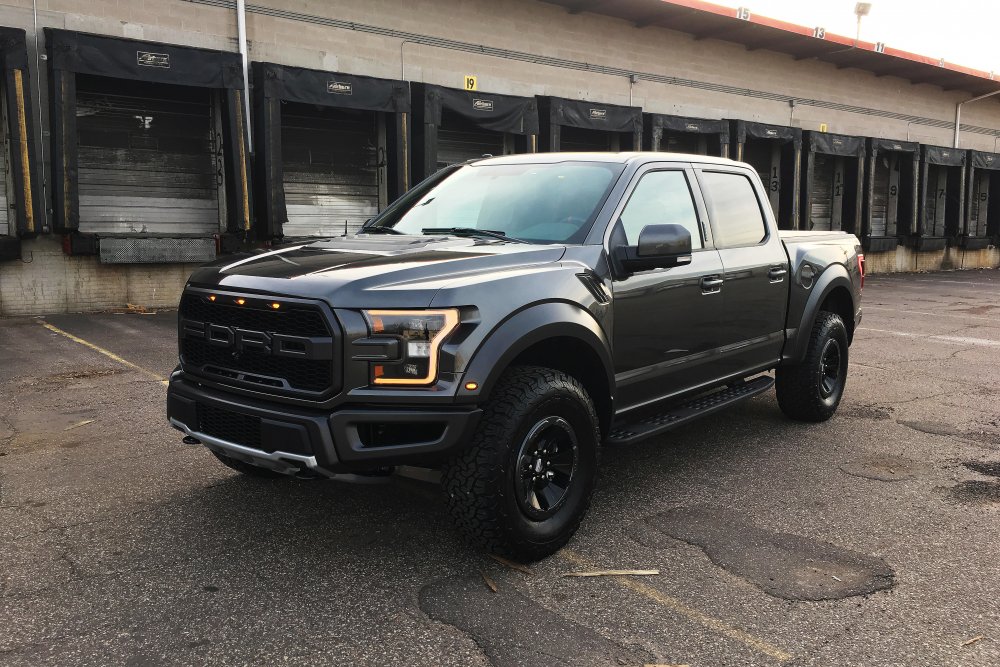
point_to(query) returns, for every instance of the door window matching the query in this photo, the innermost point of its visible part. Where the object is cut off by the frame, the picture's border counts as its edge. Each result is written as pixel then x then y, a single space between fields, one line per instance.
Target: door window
pixel 734 208
pixel 661 198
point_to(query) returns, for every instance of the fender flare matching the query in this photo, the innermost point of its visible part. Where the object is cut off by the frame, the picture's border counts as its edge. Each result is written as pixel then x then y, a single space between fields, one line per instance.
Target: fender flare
pixel 835 276
pixel 525 328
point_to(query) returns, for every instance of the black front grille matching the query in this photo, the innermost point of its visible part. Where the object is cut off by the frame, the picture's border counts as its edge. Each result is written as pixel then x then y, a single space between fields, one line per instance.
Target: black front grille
pixel 294 320
pixel 227 425
pixel 249 365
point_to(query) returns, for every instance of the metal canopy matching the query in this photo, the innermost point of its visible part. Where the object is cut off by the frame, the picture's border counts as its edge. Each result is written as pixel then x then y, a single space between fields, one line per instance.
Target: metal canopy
pixel 705 20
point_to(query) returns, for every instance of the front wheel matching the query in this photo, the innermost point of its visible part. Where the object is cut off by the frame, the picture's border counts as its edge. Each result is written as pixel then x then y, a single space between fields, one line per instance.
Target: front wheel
pixel 523 485
pixel 811 391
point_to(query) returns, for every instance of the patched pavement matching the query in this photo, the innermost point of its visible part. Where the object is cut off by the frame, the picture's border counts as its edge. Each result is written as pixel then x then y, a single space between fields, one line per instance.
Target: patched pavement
pixel 867 540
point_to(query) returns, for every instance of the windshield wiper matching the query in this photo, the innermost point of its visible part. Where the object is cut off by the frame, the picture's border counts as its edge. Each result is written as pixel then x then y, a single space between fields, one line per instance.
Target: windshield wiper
pixel 471 231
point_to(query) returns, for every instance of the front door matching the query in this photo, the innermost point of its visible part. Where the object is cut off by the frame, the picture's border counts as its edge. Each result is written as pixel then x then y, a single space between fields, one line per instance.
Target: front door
pixel 755 277
pixel 665 320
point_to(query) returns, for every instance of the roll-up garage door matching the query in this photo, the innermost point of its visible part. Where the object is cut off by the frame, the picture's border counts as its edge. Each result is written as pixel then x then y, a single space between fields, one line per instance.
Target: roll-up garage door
pixel 146 158
pixel 684 143
pixel 460 140
pixel 978 218
pixel 935 199
pixel 330 163
pixel 880 197
pixel 821 215
pixel 4 170
pixel 577 139
pixel 758 155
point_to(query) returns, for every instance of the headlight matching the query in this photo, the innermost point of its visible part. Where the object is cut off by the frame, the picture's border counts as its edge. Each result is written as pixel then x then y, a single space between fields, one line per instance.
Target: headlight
pixel 421 333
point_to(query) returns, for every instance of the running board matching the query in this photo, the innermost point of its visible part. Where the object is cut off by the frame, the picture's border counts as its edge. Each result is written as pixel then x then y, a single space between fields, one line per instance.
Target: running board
pixel 646 427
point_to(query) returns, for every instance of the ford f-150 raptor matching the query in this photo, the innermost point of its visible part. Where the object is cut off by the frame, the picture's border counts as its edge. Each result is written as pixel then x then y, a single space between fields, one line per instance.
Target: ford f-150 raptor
pixel 506 318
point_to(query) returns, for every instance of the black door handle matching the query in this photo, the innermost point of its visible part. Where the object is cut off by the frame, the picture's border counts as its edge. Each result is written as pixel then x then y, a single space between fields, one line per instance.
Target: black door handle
pixel 711 284
pixel 777 274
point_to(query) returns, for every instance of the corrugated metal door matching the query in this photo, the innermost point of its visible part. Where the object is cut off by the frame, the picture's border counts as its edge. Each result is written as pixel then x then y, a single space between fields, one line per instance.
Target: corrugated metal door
pixel 466 142
pixel 765 157
pixel 980 203
pixel 146 158
pixel 821 192
pixel 880 197
pixel 935 199
pixel 576 139
pixel 331 169
pixel 4 170
pixel 685 143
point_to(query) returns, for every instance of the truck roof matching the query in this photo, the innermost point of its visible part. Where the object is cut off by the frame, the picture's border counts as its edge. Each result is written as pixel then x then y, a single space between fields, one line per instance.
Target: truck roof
pixel 620 158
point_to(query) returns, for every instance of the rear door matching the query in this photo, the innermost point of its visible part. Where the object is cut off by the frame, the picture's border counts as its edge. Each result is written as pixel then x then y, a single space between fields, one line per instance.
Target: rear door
pixel 665 320
pixel 755 271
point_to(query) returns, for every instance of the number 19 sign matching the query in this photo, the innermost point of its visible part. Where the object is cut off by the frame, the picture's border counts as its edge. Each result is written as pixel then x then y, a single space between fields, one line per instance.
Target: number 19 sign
pixel 471 82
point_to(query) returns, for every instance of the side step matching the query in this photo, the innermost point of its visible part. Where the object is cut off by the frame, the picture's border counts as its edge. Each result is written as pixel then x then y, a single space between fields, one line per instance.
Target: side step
pixel 625 433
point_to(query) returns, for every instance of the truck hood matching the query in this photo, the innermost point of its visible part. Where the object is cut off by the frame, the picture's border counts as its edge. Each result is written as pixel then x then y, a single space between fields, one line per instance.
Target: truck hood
pixel 373 271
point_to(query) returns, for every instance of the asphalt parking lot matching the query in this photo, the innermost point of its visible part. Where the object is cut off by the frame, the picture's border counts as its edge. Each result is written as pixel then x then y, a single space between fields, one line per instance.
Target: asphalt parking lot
pixel 871 539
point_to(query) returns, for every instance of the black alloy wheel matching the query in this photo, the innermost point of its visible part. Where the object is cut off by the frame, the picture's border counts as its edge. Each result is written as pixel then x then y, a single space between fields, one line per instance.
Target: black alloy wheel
pixel 545 466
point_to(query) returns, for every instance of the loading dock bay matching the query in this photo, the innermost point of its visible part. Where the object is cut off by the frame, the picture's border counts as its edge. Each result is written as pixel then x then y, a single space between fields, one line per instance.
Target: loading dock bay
pixel 120 545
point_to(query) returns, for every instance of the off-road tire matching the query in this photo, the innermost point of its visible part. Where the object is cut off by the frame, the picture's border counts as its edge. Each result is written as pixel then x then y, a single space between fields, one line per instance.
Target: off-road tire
pixel 479 483
pixel 800 389
pixel 246 468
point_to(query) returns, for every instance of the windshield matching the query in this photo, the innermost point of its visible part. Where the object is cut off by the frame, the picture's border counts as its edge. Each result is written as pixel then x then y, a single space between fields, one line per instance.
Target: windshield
pixel 541 203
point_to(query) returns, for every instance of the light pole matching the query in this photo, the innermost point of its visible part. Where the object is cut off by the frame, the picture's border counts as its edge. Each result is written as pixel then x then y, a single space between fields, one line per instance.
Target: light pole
pixel 861 10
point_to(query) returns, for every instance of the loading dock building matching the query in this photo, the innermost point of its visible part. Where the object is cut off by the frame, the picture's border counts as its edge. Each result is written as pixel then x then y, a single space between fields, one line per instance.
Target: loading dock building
pixel 578 125
pixel 677 134
pixel 775 152
pixel 832 182
pixel 20 182
pixel 891 185
pixel 982 223
pixel 128 148
pixel 942 197
pixel 149 148
pixel 331 149
pixel 452 126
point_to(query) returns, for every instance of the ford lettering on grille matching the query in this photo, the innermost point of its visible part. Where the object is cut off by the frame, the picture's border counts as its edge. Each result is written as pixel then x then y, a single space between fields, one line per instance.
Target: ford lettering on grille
pixel 287 351
pixel 244 340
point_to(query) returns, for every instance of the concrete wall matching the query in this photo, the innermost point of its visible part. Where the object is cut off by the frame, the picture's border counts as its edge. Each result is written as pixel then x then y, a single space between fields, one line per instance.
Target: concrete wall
pixel 48 281
pixel 387 38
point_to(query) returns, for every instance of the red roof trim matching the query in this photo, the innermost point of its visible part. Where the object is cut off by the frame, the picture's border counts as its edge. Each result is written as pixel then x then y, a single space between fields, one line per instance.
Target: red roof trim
pixel 720 10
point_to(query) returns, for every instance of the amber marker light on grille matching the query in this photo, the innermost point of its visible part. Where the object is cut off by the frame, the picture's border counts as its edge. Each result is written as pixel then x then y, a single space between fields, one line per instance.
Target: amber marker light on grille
pixel 211 297
pixel 472 386
pixel 240 301
pixel 276 306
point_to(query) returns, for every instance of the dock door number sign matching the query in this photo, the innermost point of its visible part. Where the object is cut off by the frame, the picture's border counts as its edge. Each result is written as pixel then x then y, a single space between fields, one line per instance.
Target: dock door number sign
pixel 471 82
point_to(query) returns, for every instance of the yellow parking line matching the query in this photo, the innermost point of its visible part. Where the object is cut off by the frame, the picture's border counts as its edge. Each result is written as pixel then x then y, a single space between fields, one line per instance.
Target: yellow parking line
pixel 679 607
pixel 107 353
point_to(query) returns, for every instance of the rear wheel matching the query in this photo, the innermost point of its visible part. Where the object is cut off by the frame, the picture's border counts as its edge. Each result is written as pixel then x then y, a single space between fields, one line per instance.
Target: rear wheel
pixel 522 486
pixel 811 391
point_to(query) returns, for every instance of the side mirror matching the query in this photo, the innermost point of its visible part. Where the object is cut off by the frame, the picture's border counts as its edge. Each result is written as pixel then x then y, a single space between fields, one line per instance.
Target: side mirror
pixel 659 247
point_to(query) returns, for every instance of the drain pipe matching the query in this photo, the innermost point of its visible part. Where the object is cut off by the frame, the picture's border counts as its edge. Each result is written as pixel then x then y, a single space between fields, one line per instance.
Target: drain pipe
pixel 241 29
pixel 958 112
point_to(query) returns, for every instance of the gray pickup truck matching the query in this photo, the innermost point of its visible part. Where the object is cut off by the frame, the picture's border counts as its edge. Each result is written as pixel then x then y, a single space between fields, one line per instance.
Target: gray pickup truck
pixel 505 319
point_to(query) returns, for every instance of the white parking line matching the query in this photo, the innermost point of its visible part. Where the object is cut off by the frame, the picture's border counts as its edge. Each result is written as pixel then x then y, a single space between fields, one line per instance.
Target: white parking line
pixel 911 281
pixel 957 340
pixel 995 320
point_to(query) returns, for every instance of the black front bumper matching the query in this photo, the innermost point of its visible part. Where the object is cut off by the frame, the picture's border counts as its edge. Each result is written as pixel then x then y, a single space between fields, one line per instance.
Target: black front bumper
pixel 293 440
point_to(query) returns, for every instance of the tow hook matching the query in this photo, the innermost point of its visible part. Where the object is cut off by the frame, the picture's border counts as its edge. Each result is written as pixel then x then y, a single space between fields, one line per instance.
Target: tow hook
pixel 188 440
